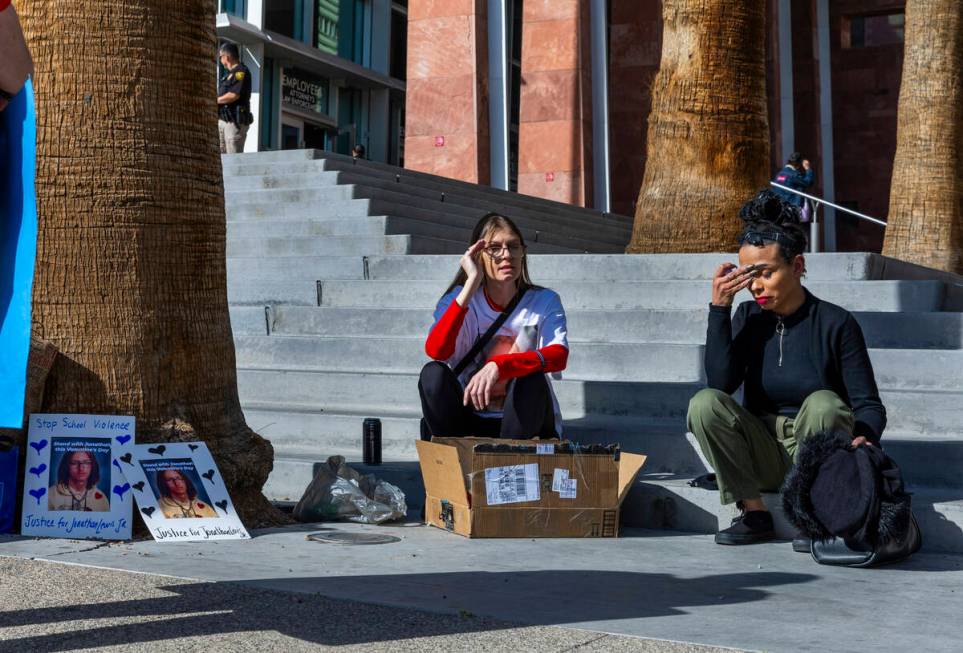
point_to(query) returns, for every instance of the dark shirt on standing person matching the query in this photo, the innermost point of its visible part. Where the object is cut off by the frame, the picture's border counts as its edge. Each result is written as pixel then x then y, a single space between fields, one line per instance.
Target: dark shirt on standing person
pixel 796 179
pixel 822 348
pixel 237 80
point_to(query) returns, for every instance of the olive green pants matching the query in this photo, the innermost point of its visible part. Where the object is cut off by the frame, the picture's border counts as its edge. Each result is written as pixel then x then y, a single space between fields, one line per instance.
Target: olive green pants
pixel 752 454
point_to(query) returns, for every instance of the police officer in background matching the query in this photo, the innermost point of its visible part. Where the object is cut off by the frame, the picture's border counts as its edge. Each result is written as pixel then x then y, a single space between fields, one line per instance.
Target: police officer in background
pixel 233 100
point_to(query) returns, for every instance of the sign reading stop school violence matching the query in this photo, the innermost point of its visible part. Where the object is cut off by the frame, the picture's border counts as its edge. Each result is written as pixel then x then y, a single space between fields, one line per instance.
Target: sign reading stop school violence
pixel 181 495
pixel 75 481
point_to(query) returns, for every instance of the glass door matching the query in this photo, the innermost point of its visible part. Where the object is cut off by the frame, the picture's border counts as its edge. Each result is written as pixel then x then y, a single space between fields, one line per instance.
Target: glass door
pixel 292 133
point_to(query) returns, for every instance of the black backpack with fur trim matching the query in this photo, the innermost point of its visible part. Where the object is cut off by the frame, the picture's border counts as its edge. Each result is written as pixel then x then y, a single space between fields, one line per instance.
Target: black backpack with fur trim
pixel 851 502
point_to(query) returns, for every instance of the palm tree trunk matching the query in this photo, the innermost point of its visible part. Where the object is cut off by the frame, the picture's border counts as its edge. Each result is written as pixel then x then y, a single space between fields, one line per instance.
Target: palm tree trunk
pixel 708 138
pixel 131 276
pixel 926 195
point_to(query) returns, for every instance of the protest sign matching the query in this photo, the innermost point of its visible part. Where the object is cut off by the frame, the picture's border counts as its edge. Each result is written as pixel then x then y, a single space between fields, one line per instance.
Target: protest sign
pixel 181 495
pixel 75 483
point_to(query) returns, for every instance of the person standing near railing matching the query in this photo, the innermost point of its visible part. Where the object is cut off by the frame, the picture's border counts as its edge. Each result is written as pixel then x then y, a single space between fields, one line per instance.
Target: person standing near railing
pixel 798 175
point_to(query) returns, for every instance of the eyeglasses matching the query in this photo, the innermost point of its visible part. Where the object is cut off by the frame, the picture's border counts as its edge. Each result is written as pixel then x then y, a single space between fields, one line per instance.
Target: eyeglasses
pixel 75 463
pixel 514 250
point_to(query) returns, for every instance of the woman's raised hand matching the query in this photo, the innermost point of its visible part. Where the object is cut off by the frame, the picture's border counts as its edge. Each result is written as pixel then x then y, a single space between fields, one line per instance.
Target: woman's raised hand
pixel 727 281
pixel 473 270
pixel 469 260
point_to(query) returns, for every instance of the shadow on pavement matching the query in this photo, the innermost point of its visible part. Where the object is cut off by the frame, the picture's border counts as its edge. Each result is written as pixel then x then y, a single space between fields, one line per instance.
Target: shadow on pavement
pixel 543 597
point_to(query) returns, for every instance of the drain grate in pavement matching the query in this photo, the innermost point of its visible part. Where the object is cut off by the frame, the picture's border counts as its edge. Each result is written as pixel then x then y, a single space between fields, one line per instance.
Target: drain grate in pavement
pixel 342 537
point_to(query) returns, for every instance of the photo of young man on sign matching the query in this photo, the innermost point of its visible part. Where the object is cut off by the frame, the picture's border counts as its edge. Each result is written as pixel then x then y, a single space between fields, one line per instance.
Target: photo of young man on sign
pixel 178 489
pixel 75 482
pixel 82 479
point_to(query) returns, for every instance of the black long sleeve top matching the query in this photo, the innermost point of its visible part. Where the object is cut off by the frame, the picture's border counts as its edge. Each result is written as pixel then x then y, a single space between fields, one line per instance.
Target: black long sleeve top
pixel 745 348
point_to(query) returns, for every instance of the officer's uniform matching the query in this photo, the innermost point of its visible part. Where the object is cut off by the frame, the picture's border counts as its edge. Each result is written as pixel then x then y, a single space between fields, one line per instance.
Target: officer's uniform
pixel 234 118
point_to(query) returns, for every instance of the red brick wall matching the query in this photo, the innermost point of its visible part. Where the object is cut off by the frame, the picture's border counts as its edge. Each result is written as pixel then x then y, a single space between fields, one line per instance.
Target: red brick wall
pixel 447 89
pixel 865 100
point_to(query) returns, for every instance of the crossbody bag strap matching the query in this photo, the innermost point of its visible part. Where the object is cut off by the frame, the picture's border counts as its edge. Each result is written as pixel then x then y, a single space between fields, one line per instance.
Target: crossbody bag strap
pixel 488 335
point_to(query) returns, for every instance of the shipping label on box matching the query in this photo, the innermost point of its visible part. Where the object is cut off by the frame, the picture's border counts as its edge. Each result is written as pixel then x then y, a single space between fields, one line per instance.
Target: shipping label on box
pixel 511 484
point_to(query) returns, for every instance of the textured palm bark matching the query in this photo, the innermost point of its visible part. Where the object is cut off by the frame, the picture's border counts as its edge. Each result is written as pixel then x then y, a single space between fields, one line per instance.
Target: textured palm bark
pixel 926 195
pixel 708 137
pixel 131 276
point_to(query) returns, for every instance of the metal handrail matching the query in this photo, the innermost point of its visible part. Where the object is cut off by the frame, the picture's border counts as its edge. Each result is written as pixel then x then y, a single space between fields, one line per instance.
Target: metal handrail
pixel 822 201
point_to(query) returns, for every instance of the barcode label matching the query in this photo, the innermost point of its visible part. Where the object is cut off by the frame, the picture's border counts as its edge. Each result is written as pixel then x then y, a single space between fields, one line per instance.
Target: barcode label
pixel 557 478
pixel 567 490
pixel 544 449
pixel 512 484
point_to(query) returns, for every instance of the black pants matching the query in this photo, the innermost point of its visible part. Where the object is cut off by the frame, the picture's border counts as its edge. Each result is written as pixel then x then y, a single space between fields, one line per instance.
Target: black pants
pixel 528 410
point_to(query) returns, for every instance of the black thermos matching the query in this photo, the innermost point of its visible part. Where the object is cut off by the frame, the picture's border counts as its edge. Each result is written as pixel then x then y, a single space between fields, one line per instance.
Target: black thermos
pixel 371 441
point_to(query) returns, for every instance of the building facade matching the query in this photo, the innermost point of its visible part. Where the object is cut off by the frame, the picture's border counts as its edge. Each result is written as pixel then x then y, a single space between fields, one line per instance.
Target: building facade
pixel 326 74
pixel 551 98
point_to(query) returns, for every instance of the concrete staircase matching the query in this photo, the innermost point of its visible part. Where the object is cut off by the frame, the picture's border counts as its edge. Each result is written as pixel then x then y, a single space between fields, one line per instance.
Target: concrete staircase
pixel 330 319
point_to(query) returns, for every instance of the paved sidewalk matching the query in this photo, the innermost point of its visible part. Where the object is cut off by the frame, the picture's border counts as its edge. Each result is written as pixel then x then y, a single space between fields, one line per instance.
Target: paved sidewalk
pixel 654 585
pixel 48 606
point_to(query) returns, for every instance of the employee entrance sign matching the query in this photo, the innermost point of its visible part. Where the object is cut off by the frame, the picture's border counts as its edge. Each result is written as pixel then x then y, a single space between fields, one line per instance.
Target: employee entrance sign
pixel 303 91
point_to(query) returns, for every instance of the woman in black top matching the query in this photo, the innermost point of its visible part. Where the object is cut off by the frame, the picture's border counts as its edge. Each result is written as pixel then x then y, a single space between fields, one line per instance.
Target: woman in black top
pixel 802 363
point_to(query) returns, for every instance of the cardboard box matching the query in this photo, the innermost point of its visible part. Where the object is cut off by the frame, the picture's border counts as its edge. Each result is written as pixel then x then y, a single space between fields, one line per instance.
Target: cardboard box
pixel 523 493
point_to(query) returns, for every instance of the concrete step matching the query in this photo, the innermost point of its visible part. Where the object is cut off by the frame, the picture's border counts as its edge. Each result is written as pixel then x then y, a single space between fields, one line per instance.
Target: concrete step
pixel 243 270
pixel 244 186
pixel 348 246
pixel 271 211
pixel 593 239
pixel 331 161
pixel 380 225
pixel 292 475
pixel 359 392
pixel 275 156
pixel 925 411
pixel 881 330
pixel 880 296
pixel 925 461
pixel 319 246
pixel 454 228
pixel 919 412
pixel 650 362
pixel 656 501
pixel 617 236
pixel 589 361
pixel 336 246
pixel 625 267
pixel 669 503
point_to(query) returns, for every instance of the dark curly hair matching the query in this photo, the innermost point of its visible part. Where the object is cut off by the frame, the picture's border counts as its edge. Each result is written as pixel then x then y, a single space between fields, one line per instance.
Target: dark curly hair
pixel 770 219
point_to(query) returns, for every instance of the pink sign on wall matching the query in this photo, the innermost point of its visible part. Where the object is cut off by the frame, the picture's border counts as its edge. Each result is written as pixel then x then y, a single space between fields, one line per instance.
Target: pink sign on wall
pixel 439 141
pixel 549 176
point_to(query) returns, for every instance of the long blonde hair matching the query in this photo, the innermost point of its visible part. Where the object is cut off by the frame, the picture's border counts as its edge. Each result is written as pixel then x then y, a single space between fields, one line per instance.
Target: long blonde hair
pixel 484 228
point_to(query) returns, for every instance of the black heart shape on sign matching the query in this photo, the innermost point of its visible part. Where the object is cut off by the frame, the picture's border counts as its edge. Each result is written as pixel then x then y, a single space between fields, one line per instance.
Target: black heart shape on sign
pixel 159 450
pixel 209 475
pixel 139 486
pixel 194 447
pixel 149 510
pixel 222 505
pixel 126 458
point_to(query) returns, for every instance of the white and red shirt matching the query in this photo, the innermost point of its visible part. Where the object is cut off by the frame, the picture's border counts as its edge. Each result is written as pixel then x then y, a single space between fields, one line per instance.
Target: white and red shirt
pixel 534 339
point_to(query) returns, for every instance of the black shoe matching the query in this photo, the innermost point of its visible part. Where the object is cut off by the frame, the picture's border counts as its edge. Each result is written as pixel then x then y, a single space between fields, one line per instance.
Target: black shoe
pixel 801 544
pixel 748 528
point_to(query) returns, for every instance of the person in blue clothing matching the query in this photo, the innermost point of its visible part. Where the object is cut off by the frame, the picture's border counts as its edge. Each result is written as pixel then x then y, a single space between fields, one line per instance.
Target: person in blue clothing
pixel 18 215
pixel 798 175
